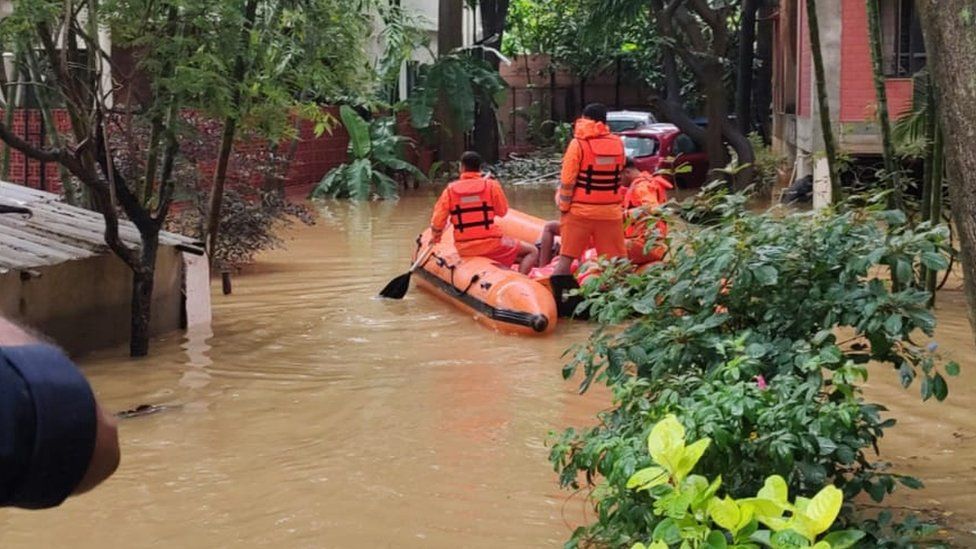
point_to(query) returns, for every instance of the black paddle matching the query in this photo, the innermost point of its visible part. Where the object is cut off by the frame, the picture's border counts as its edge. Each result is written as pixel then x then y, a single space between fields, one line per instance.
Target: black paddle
pixel 397 288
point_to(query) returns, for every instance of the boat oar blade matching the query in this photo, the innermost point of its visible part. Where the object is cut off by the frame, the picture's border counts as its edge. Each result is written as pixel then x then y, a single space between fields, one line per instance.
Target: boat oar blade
pixel 397 288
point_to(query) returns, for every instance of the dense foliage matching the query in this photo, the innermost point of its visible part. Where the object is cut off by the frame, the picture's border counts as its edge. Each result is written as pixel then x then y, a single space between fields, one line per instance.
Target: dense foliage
pixel 758 331
pixel 693 516
pixel 455 83
pixel 375 151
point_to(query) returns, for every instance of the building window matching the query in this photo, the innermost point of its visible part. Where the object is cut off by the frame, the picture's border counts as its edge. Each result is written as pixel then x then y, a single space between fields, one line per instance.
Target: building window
pixel 901 36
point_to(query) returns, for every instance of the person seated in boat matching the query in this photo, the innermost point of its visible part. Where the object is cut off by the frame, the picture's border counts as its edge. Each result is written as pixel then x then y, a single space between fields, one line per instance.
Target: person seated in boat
pixel 644 194
pixel 471 204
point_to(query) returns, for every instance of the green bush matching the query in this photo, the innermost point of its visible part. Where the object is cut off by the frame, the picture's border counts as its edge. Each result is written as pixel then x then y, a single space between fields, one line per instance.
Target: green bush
pixel 758 332
pixel 693 516
pixel 375 152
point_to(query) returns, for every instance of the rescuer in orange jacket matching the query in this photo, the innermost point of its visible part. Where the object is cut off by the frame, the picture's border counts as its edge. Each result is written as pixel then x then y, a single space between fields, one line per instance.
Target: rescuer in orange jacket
pixel 471 204
pixel 589 194
pixel 645 193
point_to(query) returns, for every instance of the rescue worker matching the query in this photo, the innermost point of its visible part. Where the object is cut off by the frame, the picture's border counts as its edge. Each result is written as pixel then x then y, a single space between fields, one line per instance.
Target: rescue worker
pixel 589 194
pixel 471 204
pixel 645 193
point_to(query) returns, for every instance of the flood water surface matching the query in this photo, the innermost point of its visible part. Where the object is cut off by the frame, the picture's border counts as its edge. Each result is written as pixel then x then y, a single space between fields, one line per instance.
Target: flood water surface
pixel 312 414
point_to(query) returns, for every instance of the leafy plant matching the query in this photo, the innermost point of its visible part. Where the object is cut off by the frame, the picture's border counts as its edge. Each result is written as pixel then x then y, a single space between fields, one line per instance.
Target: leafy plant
pixel 458 81
pixel 758 332
pixel 694 516
pixel 249 223
pixel 375 149
pixel 767 165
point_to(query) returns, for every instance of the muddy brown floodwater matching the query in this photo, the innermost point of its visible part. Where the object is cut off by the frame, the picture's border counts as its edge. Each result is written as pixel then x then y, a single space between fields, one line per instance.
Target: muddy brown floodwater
pixel 313 415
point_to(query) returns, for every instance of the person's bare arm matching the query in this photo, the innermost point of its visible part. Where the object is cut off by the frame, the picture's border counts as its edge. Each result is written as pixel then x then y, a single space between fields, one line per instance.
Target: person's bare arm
pixel 105 454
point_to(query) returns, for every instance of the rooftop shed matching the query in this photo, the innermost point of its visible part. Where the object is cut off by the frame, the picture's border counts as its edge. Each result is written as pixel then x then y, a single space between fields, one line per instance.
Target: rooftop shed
pixel 58 275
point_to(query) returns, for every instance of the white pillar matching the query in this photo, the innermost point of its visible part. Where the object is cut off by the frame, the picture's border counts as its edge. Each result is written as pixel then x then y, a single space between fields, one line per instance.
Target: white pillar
pixel 196 273
pixel 821 183
pixel 105 43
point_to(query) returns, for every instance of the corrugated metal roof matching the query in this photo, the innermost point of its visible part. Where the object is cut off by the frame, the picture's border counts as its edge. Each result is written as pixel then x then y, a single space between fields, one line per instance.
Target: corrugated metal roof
pixel 58 232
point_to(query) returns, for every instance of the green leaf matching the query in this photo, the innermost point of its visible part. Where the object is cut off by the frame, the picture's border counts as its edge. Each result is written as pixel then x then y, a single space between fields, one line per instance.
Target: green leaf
pixel 716 540
pixel 775 490
pixel 725 513
pixel 939 387
pixel 667 531
pixel 876 490
pixel 358 129
pixel 647 478
pixel 666 443
pixel 935 261
pixel 823 509
pixel 766 275
pixel 952 368
pixel 788 539
pixel 843 539
pixel 911 482
pixel 826 445
pixel 903 269
pixel 690 456
pixel 893 324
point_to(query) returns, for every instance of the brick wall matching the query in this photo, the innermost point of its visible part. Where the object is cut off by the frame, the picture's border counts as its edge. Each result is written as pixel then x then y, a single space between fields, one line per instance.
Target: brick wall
pixel 29 125
pixel 858 102
pixel 559 98
pixel 314 156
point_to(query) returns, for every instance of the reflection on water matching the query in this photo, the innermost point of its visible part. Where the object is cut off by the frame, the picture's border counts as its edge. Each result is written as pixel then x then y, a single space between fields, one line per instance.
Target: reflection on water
pixel 314 415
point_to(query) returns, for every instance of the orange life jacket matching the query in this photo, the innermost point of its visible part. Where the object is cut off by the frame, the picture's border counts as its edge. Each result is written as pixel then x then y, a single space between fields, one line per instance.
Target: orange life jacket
pixel 598 181
pixel 659 185
pixel 472 209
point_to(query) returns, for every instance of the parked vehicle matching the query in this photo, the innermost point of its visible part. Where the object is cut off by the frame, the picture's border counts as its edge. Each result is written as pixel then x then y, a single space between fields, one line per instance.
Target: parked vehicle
pixel 664 146
pixel 620 121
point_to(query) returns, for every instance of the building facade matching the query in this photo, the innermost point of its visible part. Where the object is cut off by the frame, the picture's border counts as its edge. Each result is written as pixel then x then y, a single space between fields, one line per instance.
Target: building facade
pixel 849 79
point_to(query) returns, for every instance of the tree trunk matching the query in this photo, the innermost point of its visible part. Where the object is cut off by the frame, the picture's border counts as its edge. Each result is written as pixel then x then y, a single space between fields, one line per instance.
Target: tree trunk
pixel 493 15
pixel 830 147
pixel 763 86
pixel 715 101
pixel 449 21
pixel 143 279
pixel 887 145
pixel 951 45
pixel 220 178
pixel 744 73
pixel 230 130
pixel 935 213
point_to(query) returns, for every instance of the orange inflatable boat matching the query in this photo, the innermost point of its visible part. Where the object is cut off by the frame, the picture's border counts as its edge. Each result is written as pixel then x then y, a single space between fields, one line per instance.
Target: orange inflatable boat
pixel 498 297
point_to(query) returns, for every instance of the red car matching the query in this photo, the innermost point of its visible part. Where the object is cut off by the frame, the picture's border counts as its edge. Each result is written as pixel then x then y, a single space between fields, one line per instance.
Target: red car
pixel 663 146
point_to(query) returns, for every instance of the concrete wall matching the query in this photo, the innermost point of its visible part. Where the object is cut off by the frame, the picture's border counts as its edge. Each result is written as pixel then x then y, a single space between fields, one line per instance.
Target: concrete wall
pixel 85 305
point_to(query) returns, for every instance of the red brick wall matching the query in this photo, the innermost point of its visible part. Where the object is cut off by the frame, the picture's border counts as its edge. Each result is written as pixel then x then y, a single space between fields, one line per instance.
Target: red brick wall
pixel 29 125
pixel 314 157
pixel 858 102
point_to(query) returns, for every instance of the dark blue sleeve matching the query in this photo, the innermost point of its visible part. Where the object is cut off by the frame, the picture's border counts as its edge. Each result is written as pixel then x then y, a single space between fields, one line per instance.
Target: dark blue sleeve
pixel 47 426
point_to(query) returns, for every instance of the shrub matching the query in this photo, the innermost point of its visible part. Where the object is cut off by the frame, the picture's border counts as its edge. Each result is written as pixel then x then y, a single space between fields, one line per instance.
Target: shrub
pixel 758 331
pixel 375 151
pixel 249 223
pixel 693 516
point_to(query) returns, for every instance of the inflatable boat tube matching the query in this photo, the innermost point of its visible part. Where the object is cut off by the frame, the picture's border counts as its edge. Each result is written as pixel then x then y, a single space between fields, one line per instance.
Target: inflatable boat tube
pixel 495 295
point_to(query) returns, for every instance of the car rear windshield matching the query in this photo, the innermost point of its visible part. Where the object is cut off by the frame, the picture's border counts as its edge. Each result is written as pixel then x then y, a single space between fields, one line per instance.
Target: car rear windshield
pixel 638 146
pixel 623 124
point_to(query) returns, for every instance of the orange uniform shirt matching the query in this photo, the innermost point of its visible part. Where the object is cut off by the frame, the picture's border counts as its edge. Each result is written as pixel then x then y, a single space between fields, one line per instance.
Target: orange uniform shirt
pixel 442 214
pixel 570 170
